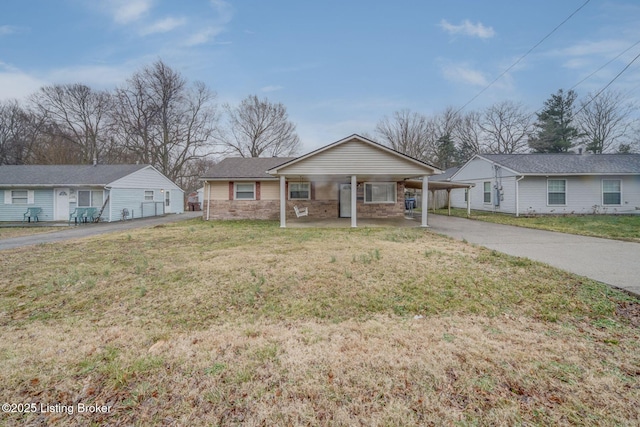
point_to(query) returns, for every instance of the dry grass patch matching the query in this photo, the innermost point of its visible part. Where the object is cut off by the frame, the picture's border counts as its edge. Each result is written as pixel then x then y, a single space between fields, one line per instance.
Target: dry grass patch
pixel 9 232
pixel 244 323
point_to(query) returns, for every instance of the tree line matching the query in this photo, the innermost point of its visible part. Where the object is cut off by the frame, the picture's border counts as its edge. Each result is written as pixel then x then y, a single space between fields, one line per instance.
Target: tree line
pixel 601 123
pixel 157 117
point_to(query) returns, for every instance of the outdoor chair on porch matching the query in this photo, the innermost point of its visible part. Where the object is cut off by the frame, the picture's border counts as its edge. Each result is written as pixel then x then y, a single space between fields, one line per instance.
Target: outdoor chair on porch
pixel 301 211
pixel 90 214
pixel 31 213
pixel 77 215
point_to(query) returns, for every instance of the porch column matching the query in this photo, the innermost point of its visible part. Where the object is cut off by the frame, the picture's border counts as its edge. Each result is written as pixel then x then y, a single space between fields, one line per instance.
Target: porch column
pixel 354 200
pixel 283 202
pixel 425 200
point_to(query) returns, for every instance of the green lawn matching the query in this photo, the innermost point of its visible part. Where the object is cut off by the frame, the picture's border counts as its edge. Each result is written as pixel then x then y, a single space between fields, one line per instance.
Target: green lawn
pixel 620 227
pixel 244 323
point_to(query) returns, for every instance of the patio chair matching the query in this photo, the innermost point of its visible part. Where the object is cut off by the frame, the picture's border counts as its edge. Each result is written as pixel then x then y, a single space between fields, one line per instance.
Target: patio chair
pixel 77 215
pixel 90 214
pixel 301 211
pixel 31 213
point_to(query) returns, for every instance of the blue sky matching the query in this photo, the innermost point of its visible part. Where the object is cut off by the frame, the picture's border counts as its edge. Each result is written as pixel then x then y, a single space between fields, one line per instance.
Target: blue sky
pixel 339 66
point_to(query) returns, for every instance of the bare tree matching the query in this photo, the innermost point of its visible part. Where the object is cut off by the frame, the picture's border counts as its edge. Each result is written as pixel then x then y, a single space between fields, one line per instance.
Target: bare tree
pixel 75 113
pixel 506 126
pixel 407 132
pixel 469 135
pixel 606 121
pixel 163 121
pixel 257 128
pixel 16 136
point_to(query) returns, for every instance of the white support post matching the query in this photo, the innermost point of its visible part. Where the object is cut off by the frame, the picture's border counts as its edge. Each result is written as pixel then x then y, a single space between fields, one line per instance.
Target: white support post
pixel 469 202
pixel 354 200
pixel 283 202
pixel 425 200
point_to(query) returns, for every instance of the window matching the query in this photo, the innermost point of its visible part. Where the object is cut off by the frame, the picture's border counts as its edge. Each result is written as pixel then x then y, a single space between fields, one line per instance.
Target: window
pixel 19 197
pixel 90 198
pixel 466 195
pixel 148 195
pixel 245 191
pixel 557 192
pixel 298 190
pixel 487 192
pixel 611 194
pixel 380 192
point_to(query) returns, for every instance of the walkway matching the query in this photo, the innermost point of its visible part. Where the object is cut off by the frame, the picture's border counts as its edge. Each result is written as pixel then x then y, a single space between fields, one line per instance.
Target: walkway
pixel 86 230
pixel 613 262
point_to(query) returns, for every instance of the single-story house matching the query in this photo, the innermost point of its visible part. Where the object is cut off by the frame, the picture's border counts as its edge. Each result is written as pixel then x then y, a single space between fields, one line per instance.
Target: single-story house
pixel 351 178
pixel 551 183
pixel 58 189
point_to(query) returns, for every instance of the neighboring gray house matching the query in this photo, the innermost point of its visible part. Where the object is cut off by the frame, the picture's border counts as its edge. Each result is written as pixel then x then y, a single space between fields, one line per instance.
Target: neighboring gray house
pixel 59 189
pixel 551 183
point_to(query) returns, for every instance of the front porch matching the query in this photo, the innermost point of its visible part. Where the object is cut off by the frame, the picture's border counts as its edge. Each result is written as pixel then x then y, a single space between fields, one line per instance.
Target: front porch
pixel 306 222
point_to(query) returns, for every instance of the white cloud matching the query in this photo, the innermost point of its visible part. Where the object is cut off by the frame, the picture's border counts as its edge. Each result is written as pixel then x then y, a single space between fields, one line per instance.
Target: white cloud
pixel 16 84
pixel 203 36
pixel 127 11
pixel 468 28
pixel 7 29
pixel 462 73
pixel 271 88
pixel 163 26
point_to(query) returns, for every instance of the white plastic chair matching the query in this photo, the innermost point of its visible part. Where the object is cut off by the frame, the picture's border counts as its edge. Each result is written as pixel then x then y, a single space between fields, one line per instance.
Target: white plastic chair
pixel 301 211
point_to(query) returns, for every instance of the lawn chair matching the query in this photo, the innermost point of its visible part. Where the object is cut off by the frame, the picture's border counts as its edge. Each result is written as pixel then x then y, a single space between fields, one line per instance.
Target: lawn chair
pixel 301 211
pixel 77 215
pixel 90 214
pixel 31 213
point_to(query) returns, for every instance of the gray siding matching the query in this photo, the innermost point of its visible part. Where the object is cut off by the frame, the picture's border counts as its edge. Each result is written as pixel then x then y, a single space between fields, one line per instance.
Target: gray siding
pixel 133 200
pixel 130 194
pixel 42 198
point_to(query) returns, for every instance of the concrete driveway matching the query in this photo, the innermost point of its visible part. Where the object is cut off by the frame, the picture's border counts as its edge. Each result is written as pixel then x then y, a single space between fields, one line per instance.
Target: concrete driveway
pixel 87 230
pixel 613 262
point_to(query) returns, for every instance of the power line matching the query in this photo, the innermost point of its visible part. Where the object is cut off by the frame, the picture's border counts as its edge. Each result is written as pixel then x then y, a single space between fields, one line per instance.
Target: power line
pixel 613 59
pixel 523 56
pixel 608 84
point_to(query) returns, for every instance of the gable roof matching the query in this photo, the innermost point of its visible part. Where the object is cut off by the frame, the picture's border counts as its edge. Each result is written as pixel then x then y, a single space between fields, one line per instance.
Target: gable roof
pixel 343 157
pixel 567 164
pixel 244 168
pixel 68 175
pixel 446 175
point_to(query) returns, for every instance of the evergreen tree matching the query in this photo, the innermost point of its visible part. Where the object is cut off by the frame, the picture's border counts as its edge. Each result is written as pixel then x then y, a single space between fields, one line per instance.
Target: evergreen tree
pixel 555 132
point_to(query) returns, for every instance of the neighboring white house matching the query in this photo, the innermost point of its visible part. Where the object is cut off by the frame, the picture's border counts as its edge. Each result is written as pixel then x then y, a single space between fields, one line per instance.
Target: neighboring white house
pixel 551 183
pixel 58 189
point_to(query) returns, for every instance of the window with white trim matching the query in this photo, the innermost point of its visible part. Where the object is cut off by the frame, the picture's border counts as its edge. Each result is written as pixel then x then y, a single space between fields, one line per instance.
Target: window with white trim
pixel 245 190
pixel 556 191
pixel 487 192
pixel 299 191
pixel 90 198
pixel 148 195
pixel 379 192
pixel 19 197
pixel 611 192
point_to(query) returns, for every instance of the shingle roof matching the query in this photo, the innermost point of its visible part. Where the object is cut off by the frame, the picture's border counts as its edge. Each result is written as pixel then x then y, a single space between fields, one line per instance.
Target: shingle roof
pixel 49 175
pixel 245 167
pixel 568 163
pixel 448 173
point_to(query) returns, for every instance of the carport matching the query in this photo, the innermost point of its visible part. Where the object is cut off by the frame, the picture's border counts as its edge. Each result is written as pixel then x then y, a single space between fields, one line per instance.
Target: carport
pixel 434 186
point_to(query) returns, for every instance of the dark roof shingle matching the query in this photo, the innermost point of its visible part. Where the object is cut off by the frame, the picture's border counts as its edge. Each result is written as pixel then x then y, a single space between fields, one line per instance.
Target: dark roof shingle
pixel 245 167
pixel 568 163
pixel 48 175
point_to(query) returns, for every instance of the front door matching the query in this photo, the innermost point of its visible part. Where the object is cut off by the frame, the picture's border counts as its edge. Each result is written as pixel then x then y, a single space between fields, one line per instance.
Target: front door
pixel 345 200
pixel 167 201
pixel 61 201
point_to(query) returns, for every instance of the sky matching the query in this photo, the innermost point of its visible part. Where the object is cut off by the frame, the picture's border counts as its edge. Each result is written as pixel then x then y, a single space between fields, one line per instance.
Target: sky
pixel 339 66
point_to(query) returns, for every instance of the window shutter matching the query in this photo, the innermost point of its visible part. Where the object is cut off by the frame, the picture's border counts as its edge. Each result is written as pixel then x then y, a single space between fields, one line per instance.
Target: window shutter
pixel 30 197
pixel 7 197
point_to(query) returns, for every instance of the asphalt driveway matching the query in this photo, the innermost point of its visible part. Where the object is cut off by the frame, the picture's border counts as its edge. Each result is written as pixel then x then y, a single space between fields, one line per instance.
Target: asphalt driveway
pixel 87 230
pixel 613 262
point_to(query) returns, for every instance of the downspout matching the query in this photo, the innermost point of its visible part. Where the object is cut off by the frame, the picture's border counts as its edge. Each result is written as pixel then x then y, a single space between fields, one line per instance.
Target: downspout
pixel 110 190
pixel 518 195
pixel 208 193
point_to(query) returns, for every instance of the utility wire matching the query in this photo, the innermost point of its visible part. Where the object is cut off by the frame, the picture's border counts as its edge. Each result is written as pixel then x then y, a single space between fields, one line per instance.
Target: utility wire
pixel 522 57
pixel 613 59
pixel 609 84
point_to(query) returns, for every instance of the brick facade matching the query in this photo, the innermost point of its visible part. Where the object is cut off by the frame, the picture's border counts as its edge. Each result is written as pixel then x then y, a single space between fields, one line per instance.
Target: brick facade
pixel 318 209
